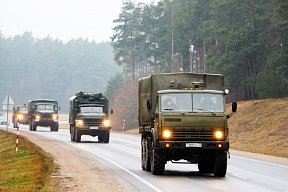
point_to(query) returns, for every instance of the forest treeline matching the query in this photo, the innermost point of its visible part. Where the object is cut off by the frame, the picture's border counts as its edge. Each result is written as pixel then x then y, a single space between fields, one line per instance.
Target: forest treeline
pixel 246 40
pixel 49 68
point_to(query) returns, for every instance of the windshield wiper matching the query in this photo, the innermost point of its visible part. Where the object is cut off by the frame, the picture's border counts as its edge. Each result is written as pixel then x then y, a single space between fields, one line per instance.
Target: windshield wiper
pixel 200 109
pixel 168 109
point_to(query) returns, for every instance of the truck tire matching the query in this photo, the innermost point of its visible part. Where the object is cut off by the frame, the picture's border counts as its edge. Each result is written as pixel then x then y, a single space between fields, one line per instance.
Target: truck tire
pixel 77 136
pixel 34 127
pixel 220 164
pixel 107 137
pixel 143 153
pixel 15 123
pixel 30 126
pixel 157 161
pixel 206 163
pixel 54 127
pixel 104 136
pixel 145 156
pixel 72 133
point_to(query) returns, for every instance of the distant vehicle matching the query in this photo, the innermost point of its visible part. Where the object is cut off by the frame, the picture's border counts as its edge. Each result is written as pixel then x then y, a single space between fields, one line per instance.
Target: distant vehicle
pixel 88 115
pixel 21 113
pixel 182 119
pixel 43 112
pixel 3 120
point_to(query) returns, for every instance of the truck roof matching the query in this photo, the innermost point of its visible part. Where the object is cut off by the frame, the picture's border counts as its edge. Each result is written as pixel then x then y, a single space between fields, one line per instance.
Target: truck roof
pixel 42 100
pixel 190 91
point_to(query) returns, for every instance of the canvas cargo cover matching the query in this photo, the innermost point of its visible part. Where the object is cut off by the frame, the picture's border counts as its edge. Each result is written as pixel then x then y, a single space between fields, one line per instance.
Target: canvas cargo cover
pixel 149 86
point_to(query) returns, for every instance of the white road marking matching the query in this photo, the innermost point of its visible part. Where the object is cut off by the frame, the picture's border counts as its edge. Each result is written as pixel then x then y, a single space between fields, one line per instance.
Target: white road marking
pixel 239 176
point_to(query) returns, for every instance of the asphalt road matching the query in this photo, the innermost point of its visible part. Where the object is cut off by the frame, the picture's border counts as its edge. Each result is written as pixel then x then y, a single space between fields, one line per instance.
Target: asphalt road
pixel 122 155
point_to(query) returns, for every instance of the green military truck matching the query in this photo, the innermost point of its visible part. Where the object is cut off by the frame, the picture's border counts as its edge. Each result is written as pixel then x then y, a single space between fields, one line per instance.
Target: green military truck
pixel 88 115
pixel 182 119
pixel 21 113
pixel 43 112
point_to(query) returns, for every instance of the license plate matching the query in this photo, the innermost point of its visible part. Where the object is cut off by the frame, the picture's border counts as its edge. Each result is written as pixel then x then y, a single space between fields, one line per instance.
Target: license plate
pixel 193 144
pixel 94 127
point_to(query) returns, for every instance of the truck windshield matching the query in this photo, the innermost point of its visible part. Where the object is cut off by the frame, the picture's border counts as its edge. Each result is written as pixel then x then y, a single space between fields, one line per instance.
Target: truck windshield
pixel 23 108
pixel 192 102
pixel 89 109
pixel 44 107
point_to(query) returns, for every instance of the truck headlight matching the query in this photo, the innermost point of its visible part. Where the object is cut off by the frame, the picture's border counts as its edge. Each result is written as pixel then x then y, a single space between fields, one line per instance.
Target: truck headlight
pixel 219 134
pixel 55 117
pixel 167 133
pixel 20 116
pixel 106 123
pixel 79 122
pixel 37 117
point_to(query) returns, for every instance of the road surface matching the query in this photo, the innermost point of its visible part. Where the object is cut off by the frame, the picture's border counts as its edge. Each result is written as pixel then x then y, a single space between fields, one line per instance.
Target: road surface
pixel 122 155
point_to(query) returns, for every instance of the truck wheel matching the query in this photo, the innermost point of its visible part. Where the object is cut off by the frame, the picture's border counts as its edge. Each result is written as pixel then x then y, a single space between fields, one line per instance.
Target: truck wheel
pixel 72 132
pixel 107 136
pixel 157 161
pixel 30 126
pixel 34 127
pixel 77 136
pixel 54 127
pixel 145 156
pixel 103 136
pixel 220 164
pixel 206 163
pixel 15 123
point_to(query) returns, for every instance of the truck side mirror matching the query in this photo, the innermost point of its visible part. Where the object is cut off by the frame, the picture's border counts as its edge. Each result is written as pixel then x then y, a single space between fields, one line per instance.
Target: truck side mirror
pixel 111 111
pixel 234 107
pixel 149 104
pixel 59 108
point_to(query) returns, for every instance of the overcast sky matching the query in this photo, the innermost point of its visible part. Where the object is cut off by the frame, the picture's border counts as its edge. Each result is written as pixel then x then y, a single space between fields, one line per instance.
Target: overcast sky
pixel 61 19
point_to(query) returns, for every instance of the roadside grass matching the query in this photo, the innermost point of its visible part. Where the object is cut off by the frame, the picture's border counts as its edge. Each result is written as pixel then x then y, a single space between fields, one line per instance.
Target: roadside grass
pixel 260 126
pixel 29 169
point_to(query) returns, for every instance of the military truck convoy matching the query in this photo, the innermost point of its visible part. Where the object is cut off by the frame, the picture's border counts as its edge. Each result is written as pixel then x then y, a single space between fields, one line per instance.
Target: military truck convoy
pixel 43 112
pixel 88 115
pixel 182 119
pixel 21 113
pixel 181 116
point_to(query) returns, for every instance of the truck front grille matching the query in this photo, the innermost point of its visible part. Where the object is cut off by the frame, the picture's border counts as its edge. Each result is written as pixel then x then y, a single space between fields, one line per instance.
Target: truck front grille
pixel 200 135
pixel 93 122
pixel 47 116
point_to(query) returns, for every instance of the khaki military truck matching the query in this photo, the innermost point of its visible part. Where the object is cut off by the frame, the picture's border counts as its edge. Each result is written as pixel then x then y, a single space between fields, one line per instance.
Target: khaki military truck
pixel 88 115
pixel 21 113
pixel 43 112
pixel 182 119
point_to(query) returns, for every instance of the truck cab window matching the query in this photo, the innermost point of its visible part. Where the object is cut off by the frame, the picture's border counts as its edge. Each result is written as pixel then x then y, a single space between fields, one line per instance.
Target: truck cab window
pixel 176 102
pixel 91 109
pixel 44 107
pixel 208 102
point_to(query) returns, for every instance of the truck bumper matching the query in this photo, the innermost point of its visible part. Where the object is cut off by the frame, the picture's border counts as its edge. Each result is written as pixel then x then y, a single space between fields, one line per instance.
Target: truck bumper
pixel 195 145
pixel 92 130
pixel 45 122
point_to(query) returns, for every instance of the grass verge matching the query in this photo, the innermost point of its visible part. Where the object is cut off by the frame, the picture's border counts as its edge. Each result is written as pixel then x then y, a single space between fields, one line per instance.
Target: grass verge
pixel 260 126
pixel 29 169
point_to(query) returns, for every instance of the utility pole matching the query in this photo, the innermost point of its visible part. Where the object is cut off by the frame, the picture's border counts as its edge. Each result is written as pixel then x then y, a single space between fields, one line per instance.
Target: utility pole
pixel 172 39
